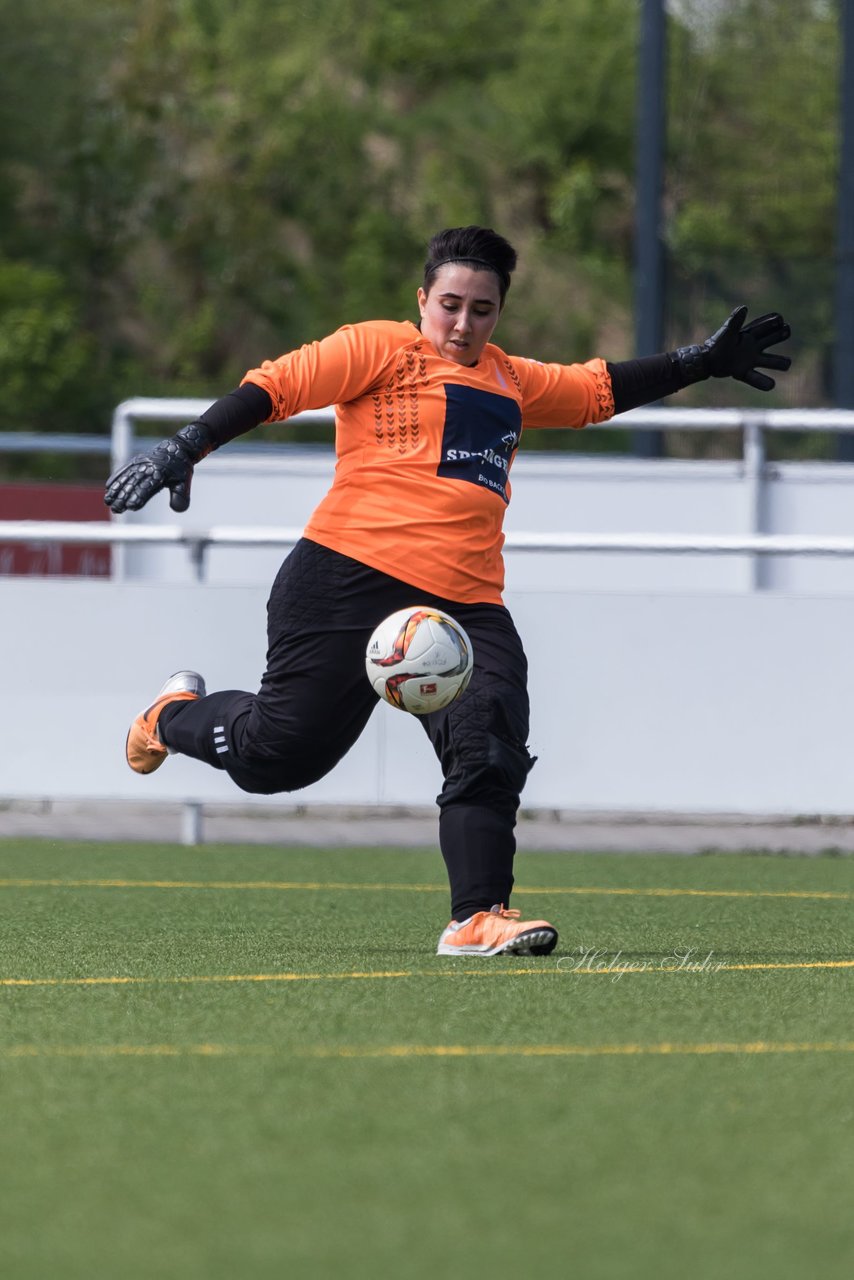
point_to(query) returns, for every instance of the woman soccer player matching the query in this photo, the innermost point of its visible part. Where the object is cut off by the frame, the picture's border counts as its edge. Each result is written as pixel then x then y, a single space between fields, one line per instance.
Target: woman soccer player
pixel 428 420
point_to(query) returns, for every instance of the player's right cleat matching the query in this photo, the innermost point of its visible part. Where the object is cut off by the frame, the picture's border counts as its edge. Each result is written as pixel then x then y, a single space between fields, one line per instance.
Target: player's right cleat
pixel 144 749
pixel 498 932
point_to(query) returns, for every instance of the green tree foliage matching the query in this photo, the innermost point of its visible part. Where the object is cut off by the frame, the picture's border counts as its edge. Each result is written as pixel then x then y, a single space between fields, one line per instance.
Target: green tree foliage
pixel 753 173
pixel 190 186
pixel 46 357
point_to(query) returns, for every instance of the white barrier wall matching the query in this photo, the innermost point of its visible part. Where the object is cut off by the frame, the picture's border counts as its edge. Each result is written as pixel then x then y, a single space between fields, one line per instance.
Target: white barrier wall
pixel 705 702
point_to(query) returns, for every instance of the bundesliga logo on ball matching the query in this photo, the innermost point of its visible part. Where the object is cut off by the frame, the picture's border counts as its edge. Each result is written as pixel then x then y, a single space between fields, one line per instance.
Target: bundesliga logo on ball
pixel 419 660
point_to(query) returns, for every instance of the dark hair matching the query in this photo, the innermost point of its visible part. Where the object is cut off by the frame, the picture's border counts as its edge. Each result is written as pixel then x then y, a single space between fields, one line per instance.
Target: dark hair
pixel 480 248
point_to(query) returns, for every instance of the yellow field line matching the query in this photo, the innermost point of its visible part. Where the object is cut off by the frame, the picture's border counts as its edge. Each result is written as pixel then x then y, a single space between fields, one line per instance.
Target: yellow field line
pixel 701 893
pixel 288 885
pixel 576 967
pixel 198 978
pixel 578 1050
pixel 318 886
pixel 714 966
pixel 399 1051
pixel 130 1050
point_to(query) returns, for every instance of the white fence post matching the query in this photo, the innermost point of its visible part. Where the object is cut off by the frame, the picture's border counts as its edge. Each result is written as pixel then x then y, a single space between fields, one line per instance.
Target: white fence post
pixel 754 471
pixel 191 823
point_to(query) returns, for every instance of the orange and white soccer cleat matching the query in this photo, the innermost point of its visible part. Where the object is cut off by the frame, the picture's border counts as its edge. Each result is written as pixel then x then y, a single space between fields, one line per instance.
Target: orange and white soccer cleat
pixel 498 932
pixel 144 749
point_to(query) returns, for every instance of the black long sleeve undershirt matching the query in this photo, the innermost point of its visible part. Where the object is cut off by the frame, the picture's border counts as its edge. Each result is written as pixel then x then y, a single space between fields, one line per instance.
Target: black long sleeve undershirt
pixel 643 381
pixel 236 413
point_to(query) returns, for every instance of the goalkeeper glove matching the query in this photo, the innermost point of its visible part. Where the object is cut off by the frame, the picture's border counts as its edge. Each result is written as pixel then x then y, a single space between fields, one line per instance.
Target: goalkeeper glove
pixel 168 466
pixel 737 350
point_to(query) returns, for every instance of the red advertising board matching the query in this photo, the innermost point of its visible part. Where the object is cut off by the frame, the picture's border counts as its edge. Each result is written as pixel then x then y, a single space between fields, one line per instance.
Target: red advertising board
pixel 53 502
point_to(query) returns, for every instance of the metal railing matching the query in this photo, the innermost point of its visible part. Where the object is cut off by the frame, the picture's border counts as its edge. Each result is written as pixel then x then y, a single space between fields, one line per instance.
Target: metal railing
pixel 198 541
pixel 753 424
pixel 30 442
pixel 122 441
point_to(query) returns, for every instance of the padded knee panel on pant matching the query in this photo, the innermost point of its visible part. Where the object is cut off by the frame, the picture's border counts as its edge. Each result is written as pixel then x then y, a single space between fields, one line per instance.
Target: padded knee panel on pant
pixel 495 776
pixel 510 761
pixel 482 758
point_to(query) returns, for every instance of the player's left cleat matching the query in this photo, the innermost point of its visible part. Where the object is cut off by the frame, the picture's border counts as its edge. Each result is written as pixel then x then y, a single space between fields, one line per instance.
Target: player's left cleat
pixel 144 748
pixel 498 932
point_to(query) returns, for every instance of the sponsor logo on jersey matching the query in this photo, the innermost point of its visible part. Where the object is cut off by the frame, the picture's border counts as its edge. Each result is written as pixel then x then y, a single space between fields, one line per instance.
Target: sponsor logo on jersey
pixel 480 435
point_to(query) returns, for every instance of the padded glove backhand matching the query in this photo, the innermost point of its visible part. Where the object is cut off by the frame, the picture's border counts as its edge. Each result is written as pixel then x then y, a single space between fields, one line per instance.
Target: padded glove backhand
pixel 739 351
pixel 168 466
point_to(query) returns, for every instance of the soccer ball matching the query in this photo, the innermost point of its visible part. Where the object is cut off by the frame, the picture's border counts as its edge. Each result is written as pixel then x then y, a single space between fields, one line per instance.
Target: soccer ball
pixel 419 659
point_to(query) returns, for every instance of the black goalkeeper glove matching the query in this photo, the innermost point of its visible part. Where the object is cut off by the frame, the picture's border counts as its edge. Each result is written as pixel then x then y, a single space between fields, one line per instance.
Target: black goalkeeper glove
pixel 168 466
pixel 738 350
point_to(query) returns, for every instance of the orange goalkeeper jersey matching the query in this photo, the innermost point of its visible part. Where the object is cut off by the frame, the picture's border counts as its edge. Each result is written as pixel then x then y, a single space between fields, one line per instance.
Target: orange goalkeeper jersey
pixel 425 447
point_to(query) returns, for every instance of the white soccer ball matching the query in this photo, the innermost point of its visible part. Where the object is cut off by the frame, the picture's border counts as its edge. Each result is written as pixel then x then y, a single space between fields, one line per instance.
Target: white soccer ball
pixel 419 659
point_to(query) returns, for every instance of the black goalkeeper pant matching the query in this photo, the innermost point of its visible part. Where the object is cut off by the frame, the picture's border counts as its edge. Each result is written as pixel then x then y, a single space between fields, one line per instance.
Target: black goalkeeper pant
pixel 303 720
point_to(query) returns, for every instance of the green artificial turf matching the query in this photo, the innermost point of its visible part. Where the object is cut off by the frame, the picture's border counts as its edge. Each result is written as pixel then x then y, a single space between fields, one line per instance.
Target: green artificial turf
pixel 338 1101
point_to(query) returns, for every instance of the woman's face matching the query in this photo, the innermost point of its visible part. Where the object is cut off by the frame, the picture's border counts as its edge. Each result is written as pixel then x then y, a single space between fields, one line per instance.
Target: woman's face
pixel 460 312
